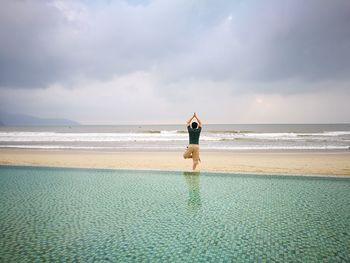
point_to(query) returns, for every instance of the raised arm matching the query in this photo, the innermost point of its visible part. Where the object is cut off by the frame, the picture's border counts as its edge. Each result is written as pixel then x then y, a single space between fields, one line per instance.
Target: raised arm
pixel 199 121
pixel 190 119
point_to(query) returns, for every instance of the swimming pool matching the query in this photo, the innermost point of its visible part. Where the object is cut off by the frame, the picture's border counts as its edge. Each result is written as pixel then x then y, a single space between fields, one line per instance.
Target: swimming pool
pixel 92 215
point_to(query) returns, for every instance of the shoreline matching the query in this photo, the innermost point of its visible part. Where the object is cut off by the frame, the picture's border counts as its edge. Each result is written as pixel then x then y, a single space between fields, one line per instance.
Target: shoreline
pixel 179 171
pixel 298 163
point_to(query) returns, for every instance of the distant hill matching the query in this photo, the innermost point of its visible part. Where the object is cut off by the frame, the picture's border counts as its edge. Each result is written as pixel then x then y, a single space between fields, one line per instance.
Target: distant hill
pixel 9 119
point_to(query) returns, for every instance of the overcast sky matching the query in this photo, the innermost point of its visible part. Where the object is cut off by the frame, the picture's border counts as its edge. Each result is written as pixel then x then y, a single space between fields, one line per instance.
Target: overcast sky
pixel 149 62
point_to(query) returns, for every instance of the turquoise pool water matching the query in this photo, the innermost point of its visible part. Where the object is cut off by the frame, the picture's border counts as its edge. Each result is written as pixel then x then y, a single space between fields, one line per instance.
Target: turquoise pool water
pixel 88 215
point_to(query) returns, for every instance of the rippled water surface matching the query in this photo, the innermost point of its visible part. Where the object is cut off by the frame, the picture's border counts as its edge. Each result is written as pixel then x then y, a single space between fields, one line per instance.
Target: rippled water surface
pixel 86 215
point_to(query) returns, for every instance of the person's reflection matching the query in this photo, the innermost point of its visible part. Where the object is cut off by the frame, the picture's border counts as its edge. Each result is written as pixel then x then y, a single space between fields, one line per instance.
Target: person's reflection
pixel 194 198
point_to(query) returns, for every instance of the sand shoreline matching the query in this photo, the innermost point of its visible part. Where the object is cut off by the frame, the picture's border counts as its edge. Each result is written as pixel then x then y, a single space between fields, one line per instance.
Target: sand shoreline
pixel 290 163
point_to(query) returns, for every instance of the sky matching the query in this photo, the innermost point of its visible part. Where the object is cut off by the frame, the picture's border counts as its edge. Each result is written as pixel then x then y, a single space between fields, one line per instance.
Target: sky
pixel 157 62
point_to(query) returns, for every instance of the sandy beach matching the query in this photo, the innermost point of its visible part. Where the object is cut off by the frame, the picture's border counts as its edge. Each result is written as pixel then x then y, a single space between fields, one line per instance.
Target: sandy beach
pixel 301 163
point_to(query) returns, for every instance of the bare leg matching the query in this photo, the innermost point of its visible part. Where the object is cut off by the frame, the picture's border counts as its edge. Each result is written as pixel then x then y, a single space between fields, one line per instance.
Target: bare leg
pixel 188 157
pixel 194 165
pixel 187 154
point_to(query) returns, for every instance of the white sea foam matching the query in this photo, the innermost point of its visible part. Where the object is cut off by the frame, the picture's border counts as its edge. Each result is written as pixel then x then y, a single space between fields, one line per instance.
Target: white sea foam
pixel 263 136
pixel 87 137
pixel 169 132
pixel 336 133
pixel 285 136
pixel 174 139
pixel 95 137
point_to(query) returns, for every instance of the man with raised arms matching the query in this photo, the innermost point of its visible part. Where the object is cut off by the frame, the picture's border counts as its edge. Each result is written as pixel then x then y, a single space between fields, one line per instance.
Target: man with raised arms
pixel 194 131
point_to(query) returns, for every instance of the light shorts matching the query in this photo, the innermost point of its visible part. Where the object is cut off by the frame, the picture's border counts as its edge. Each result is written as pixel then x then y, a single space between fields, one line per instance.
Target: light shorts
pixel 192 151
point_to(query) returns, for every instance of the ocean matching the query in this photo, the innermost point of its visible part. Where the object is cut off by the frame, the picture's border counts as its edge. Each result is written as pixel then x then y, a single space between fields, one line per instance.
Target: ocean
pixel 216 137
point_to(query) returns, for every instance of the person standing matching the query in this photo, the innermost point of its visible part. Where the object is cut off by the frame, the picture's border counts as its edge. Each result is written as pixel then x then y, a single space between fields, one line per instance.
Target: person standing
pixel 194 130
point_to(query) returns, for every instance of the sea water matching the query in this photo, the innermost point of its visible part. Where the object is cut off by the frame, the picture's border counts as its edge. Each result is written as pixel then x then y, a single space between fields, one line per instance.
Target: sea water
pixel 174 137
pixel 92 215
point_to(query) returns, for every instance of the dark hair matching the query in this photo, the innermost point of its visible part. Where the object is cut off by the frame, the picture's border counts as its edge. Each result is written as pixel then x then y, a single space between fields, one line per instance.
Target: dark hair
pixel 194 125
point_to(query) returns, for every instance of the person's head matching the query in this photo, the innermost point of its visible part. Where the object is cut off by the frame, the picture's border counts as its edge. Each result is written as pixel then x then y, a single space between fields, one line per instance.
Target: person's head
pixel 194 125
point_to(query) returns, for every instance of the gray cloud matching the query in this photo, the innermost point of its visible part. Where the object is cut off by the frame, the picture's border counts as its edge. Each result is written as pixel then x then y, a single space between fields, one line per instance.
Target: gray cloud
pixel 312 43
pixel 56 42
pixel 92 61
pixel 30 55
pixel 279 40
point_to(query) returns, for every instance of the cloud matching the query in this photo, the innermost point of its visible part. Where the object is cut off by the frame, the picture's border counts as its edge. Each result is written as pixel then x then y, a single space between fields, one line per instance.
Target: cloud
pixel 135 99
pixel 60 41
pixel 156 60
pixel 279 40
